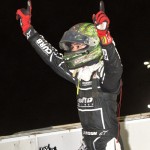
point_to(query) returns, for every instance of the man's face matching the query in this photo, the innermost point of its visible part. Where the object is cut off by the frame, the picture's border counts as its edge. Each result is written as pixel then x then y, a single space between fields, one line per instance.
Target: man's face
pixel 77 46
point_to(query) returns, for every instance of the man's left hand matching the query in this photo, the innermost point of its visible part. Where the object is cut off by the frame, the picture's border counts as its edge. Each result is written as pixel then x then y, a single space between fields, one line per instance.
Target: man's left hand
pixel 101 22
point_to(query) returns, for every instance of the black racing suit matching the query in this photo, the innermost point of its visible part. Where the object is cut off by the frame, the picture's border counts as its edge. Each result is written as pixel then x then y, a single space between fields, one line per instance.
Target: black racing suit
pixel 96 98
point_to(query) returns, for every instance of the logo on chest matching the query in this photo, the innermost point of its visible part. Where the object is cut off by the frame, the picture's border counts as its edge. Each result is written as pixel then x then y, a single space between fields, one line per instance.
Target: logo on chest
pixel 85 102
pixel 85 84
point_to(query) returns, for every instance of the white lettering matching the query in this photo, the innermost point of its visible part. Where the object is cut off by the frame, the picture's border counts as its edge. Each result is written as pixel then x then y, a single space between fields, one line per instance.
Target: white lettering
pixel 87 83
pixel 28 34
pixel 85 100
pixel 46 49
pixel 103 132
pixel 39 41
pixel 89 133
pixel 105 54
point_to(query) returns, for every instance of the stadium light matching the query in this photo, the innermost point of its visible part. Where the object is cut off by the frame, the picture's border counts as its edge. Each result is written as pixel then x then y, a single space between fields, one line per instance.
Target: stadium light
pixel 147 64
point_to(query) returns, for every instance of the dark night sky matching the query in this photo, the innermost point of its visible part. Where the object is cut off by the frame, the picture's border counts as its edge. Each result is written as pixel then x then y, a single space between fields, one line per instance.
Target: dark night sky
pixel 32 96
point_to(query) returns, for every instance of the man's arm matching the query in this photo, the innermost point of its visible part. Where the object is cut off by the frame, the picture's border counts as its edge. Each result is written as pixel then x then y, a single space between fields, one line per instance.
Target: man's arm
pixel 46 51
pixel 112 68
pixel 49 54
pixel 111 75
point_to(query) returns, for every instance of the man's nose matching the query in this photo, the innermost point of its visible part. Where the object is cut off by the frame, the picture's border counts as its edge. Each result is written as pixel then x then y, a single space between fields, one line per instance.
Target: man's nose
pixel 73 47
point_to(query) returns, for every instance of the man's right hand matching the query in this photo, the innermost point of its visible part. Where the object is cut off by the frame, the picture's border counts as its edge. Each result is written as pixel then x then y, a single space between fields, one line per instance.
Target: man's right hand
pixel 24 15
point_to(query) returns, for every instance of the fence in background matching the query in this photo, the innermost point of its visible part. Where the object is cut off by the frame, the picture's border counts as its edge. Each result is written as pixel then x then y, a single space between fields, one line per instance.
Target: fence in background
pixel 135 131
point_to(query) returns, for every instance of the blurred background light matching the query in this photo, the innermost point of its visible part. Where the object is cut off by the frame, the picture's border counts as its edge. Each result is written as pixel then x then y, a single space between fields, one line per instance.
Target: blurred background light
pixel 147 64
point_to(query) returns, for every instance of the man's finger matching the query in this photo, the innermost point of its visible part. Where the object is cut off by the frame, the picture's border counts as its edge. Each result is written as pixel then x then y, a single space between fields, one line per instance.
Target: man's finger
pixel 102 7
pixel 29 6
